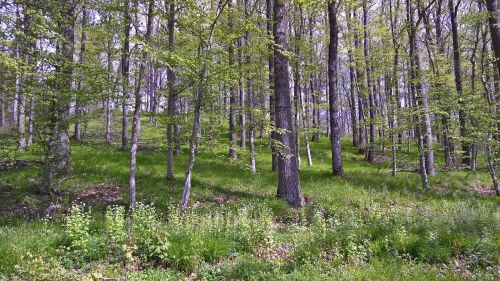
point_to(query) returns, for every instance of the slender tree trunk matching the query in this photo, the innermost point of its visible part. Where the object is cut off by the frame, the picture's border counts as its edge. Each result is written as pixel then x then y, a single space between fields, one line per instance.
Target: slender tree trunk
pixel 352 85
pixel 448 146
pixel 171 91
pixel 3 122
pixel 109 99
pixel 416 92
pixel 136 119
pixel 337 166
pixel 125 73
pixel 250 98
pixel 242 105
pixel 21 118
pixel 200 92
pixel 462 113
pixel 272 111
pixel 232 92
pixel 370 154
pixel 31 117
pixel 78 106
pixel 288 174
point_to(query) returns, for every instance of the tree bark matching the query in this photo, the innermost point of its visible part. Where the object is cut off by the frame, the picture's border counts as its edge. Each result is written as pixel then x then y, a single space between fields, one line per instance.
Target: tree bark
pixel 171 91
pixel 58 158
pixel 232 92
pixel 78 106
pixel 337 167
pixel 125 61
pixel 136 119
pixel 272 111
pixel 370 153
pixel 288 174
pixel 462 113
pixel 494 24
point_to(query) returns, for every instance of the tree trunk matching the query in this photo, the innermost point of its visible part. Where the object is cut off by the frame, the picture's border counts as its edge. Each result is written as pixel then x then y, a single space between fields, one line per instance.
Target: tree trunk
pixel 171 91
pixel 272 111
pixel 416 91
pixel 78 105
pixel 462 113
pixel 31 117
pixel 242 105
pixel 337 166
pixel 288 174
pixel 370 154
pixel 58 159
pixel 109 100
pixel 125 73
pixel 494 24
pixel 200 92
pixel 232 92
pixel 136 119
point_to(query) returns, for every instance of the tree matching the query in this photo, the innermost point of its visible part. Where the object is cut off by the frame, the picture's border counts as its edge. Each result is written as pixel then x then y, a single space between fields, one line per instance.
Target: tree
pixel 333 95
pixel 288 174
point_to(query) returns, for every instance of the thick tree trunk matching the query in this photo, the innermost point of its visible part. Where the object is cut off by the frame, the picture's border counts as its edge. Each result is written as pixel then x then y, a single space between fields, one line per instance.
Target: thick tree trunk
pixel 337 167
pixel 494 24
pixel 125 73
pixel 288 174
pixel 171 91
pixel 58 159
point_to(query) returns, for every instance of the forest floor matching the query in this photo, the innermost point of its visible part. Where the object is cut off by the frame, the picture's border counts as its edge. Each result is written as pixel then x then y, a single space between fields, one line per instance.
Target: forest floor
pixel 367 225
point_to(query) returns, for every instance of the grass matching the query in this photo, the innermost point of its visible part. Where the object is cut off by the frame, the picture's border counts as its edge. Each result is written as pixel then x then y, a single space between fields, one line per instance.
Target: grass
pixel 365 226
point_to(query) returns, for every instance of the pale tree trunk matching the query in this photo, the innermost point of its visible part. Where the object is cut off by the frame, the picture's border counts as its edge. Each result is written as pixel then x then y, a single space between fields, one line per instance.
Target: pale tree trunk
pixel 352 80
pixel 394 84
pixel 125 61
pixel 200 92
pixel 171 91
pixel 136 119
pixel 31 116
pixel 109 99
pixel 3 122
pixel 241 90
pixel 250 101
pixel 58 159
pixel 362 132
pixel 288 173
pixel 337 167
pixel 490 98
pixel 21 119
pixel 297 91
pixel 232 92
pixel 78 105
